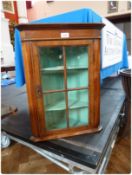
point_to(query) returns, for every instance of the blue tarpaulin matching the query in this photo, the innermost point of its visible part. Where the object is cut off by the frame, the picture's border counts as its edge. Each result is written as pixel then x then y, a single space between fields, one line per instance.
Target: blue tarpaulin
pixel 77 16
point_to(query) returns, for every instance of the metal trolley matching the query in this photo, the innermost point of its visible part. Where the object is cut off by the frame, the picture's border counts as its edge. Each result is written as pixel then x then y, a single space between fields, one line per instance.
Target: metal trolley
pixel 88 153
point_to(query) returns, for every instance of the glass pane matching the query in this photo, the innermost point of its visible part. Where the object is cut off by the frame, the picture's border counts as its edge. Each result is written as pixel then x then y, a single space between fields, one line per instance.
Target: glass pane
pixel 52 69
pixel 78 107
pixel 55 111
pixel 78 117
pixel 77 78
pixel 77 66
pixel 56 120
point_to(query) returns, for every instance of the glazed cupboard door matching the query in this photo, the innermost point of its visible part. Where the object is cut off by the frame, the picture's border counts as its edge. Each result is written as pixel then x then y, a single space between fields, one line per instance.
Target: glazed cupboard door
pixel 62 84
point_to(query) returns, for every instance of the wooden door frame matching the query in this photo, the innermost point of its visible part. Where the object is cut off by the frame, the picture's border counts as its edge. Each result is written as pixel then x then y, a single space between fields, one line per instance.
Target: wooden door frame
pixel 36 67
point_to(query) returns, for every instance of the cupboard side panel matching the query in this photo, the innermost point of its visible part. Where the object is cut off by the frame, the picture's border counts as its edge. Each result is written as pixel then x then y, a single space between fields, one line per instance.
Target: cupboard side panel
pixel 96 82
pixel 91 86
pixel 30 87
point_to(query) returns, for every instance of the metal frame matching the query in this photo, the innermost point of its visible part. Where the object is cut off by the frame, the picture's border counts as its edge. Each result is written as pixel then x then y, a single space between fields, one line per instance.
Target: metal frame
pixel 58 160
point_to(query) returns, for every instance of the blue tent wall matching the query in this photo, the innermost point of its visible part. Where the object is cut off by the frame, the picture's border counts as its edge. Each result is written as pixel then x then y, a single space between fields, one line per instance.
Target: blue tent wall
pixel 77 16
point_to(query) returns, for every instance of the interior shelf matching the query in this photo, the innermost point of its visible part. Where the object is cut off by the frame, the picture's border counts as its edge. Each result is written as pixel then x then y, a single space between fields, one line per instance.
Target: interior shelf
pixel 60 105
pixel 60 68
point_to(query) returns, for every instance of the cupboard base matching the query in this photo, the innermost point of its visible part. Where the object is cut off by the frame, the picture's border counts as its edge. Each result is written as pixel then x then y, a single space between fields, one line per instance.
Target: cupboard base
pixel 65 134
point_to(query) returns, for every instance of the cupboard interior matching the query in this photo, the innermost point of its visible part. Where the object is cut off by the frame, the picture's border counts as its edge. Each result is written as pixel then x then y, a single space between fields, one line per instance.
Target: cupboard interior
pixel 52 77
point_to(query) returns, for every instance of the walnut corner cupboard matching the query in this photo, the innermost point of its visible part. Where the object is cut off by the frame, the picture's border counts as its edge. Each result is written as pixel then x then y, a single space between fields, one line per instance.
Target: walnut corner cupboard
pixel 62 71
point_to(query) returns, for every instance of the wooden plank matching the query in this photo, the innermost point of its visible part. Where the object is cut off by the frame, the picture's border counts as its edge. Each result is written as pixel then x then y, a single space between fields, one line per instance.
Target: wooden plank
pixel 60 26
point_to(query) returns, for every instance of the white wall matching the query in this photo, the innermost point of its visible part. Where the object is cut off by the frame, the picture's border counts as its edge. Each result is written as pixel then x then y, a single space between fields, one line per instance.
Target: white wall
pixel 43 9
pixel 6 47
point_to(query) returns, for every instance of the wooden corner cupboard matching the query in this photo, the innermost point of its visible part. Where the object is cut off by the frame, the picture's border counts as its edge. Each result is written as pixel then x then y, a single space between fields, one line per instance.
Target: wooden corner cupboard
pixel 62 71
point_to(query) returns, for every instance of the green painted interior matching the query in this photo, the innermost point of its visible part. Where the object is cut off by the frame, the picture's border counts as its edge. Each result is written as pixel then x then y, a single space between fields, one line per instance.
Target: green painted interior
pixel 78 98
pixel 50 60
pixel 56 120
pixel 78 107
pixel 54 101
pixel 77 78
pixel 77 56
pixel 53 81
pixel 78 117
pixel 52 75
